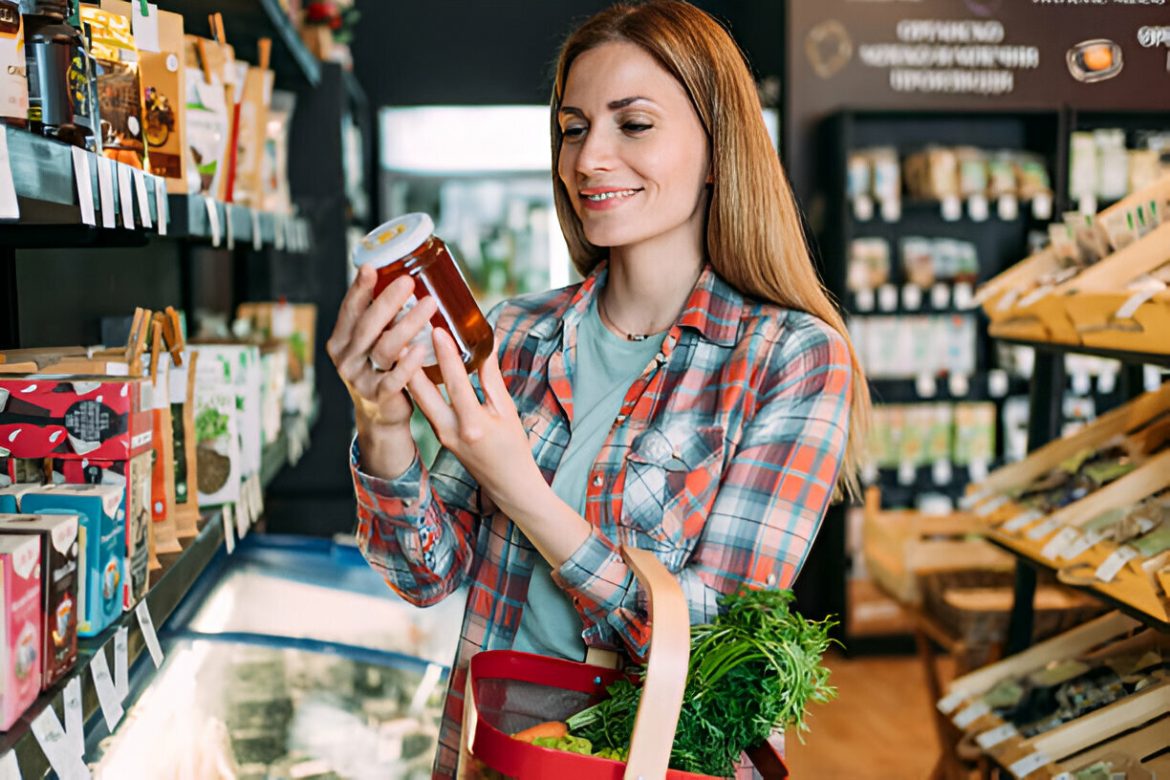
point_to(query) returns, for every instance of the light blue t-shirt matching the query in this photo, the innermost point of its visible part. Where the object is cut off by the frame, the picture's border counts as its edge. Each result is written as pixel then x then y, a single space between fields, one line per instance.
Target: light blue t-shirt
pixel 607 365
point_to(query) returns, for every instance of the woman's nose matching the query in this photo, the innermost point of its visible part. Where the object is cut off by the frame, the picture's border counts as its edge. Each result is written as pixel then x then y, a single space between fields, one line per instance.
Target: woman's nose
pixel 596 153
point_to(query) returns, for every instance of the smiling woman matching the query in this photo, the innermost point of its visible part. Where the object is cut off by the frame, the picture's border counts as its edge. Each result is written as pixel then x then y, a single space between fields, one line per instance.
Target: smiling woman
pixel 695 396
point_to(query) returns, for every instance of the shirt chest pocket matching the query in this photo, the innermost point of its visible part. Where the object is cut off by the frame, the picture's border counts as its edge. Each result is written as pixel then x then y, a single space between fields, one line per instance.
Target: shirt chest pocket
pixel 672 475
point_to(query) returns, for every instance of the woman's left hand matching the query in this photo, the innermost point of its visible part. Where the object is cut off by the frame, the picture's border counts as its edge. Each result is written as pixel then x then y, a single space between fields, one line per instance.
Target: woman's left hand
pixel 487 438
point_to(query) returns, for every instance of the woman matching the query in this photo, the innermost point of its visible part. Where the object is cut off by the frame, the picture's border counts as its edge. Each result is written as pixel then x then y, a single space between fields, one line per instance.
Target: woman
pixel 694 396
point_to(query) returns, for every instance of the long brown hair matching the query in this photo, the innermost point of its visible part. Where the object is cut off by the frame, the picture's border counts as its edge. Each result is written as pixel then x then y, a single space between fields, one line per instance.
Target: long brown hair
pixel 755 240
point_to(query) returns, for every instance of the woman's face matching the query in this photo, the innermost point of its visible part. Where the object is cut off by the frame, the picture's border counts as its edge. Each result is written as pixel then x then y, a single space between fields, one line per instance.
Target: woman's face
pixel 633 154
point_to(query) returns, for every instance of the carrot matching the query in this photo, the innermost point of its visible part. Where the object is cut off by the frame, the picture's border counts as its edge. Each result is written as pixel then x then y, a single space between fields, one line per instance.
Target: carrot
pixel 553 728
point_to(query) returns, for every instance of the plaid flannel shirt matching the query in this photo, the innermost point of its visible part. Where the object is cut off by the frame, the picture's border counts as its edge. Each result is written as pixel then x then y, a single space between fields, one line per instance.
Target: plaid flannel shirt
pixel 722 461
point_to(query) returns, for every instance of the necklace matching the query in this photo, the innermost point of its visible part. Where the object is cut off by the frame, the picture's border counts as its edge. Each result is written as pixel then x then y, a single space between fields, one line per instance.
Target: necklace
pixel 614 326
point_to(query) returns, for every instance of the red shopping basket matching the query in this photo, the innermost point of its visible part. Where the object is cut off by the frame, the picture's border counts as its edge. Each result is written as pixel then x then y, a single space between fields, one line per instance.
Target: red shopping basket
pixel 509 691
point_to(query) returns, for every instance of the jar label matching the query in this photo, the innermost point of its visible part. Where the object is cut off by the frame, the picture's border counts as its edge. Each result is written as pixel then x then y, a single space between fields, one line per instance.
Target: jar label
pixel 424 336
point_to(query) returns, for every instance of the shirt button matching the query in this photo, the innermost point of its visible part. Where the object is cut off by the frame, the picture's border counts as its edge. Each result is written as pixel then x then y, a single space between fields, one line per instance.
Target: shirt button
pixel 597 480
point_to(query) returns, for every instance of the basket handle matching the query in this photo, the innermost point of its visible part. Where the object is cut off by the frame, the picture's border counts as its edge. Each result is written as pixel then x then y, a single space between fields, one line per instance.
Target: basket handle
pixel 666 667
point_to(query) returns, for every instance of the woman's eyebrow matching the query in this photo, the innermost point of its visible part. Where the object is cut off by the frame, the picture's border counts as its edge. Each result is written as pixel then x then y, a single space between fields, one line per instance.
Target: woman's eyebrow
pixel 613 105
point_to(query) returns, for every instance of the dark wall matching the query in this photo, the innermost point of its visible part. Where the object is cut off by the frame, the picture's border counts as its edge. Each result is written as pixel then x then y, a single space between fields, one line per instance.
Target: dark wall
pixel 503 51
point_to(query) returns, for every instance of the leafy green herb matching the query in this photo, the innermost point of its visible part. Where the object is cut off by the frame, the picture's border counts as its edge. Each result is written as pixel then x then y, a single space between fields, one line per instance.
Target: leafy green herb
pixel 752 670
pixel 210 424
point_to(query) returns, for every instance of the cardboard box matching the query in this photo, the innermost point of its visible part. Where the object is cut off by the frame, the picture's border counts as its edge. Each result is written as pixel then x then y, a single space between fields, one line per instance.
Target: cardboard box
pixel 59 547
pixel 101 550
pixel 20 627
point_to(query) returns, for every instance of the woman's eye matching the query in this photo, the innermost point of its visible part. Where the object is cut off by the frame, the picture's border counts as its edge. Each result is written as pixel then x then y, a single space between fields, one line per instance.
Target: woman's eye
pixel 572 133
pixel 636 127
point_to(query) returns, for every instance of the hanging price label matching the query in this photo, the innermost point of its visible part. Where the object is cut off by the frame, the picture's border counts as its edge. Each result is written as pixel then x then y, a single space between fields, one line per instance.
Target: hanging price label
pixel 227 514
pixel 1059 543
pixel 67 763
pixel 74 718
pixel 105 170
pixel 1081 545
pixel 9 768
pixel 143 198
pixel 1029 764
pixel 950 703
pixel 229 225
pixel 146 623
pixel 125 195
pixel 161 208
pixel 81 175
pixel 971 713
pixel 996 736
pixel 108 699
pixel 212 219
pixel 1040 530
pixel 985 509
pixel 122 662
pixel 1108 571
pixel 257 235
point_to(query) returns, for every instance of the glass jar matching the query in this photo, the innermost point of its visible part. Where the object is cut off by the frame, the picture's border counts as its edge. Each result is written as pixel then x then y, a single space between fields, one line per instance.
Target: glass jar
pixel 407 245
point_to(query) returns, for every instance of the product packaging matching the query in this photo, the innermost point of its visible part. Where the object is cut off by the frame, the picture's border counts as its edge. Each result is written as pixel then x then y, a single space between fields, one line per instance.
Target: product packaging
pixel 59 538
pixel 182 397
pixel 296 324
pixel 918 260
pixel 10 496
pixel 13 78
pixel 119 86
pixel 100 549
pixel 208 119
pixel 869 264
pixel 251 132
pixel 20 628
pixel 274 167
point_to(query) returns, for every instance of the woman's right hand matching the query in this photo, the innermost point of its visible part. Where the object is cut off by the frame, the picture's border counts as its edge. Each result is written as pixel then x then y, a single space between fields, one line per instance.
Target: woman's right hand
pixel 362 340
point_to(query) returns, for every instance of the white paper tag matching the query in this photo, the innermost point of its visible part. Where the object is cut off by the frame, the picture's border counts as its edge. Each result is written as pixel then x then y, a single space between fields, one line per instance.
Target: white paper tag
pixel 985 509
pixel 940 296
pixel 1081 545
pixel 948 704
pixel 143 197
pixel 257 235
pixel 891 209
pixel 996 736
pixel 46 728
pixel 161 207
pixel 978 208
pixel 1029 764
pixel 952 208
pixel 74 716
pixel 229 226
pixel 942 472
pixel 1008 301
pixel 1040 530
pixel 122 662
pixel 907 472
pixel 1059 543
pixel 1106 382
pixel 146 623
pixel 958 385
pixel 244 511
pixel 1007 207
pixel 228 515
pixel 1087 204
pixel 977 470
pixel 926 386
pixel 864 300
pixel 106 199
pixel 278 231
pixel 81 176
pixel 971 713
pixel 259 500
pixel 145 27
pixel 9 205
pixel 108 698
pixel 1112 566
pixel 9 768
pixel 212 219
pixel 968 502
pixel 997 383
pixel 911 297
pixel 1082 384
pixel 1134 302
pixel 888 297
pixel 964 296
pixel 125 195
pixel 863 208
pixel 1042 206
pixel 1019 521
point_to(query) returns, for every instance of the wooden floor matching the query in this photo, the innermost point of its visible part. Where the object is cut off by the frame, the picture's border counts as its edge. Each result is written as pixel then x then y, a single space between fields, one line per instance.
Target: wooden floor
pixel 879 726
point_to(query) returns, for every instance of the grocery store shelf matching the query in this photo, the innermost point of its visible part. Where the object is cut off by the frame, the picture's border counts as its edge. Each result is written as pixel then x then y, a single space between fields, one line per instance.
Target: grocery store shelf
pixel 1098 592
pixel 1079 349
pixel 910 391
pixel 50 211
pixel 168 587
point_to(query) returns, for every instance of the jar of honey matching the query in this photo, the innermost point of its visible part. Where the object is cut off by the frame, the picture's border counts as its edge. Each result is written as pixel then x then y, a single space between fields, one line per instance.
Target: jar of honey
pixel 408 245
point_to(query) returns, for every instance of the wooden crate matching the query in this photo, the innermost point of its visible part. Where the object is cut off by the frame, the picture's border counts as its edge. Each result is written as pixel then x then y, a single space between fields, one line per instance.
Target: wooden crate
pixel 1142 743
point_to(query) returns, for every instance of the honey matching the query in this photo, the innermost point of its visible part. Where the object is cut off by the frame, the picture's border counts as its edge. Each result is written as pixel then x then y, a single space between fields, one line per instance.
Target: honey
pixel 407 245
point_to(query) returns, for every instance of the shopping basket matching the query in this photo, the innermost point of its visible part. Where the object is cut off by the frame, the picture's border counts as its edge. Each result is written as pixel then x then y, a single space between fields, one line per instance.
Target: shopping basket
pixel 508 691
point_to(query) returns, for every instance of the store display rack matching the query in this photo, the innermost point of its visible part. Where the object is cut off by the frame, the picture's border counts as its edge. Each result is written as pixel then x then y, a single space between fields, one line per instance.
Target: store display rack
pixel 46 182
pixel 168 587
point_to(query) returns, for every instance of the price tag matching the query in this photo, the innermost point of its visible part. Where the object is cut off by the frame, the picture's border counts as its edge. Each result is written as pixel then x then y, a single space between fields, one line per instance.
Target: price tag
pixel 869 473
pixel 1029 764
pixel 1106 382
pixel 891 210
pixel 1081 545
pixel 978 208
pixel 952 208
pixel 987 508
pixel 125 195
pixel 863 208
pixel 9 205
pixel 1008 207
pixel 997 383
pixel 1151 378
pixel 911 297
pixel 227 514
pixel 971 713
pixel 229 225
pixel 74 718
pixel 84 185
pixel 146 623
pixel 959 385
pixel 108 698
pixel 926 386
pixel 244 510
pixel 9 768
pixel 964 296
pixel 1087 204
pixel 1023 519
pixel 1081 383
pixel 942 472
pixel 1008 301
pixel 1108 571
pixel 109 203
pixel 1059 543
pixel 160 204
pixel 1042 206
pixel 145 26
pixel 950 703
pixel 996 736
pixel 46 728
pixel 907 473
pixel 278 232
pixel 977 470
pixel 968 502
pixel 887 297
pixel 1040 530
pixel 940 296
pixel 257 235
pixel 122 662
pixel 259 499
pixel 1134 302
pixel 143 198
pixel 212 219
